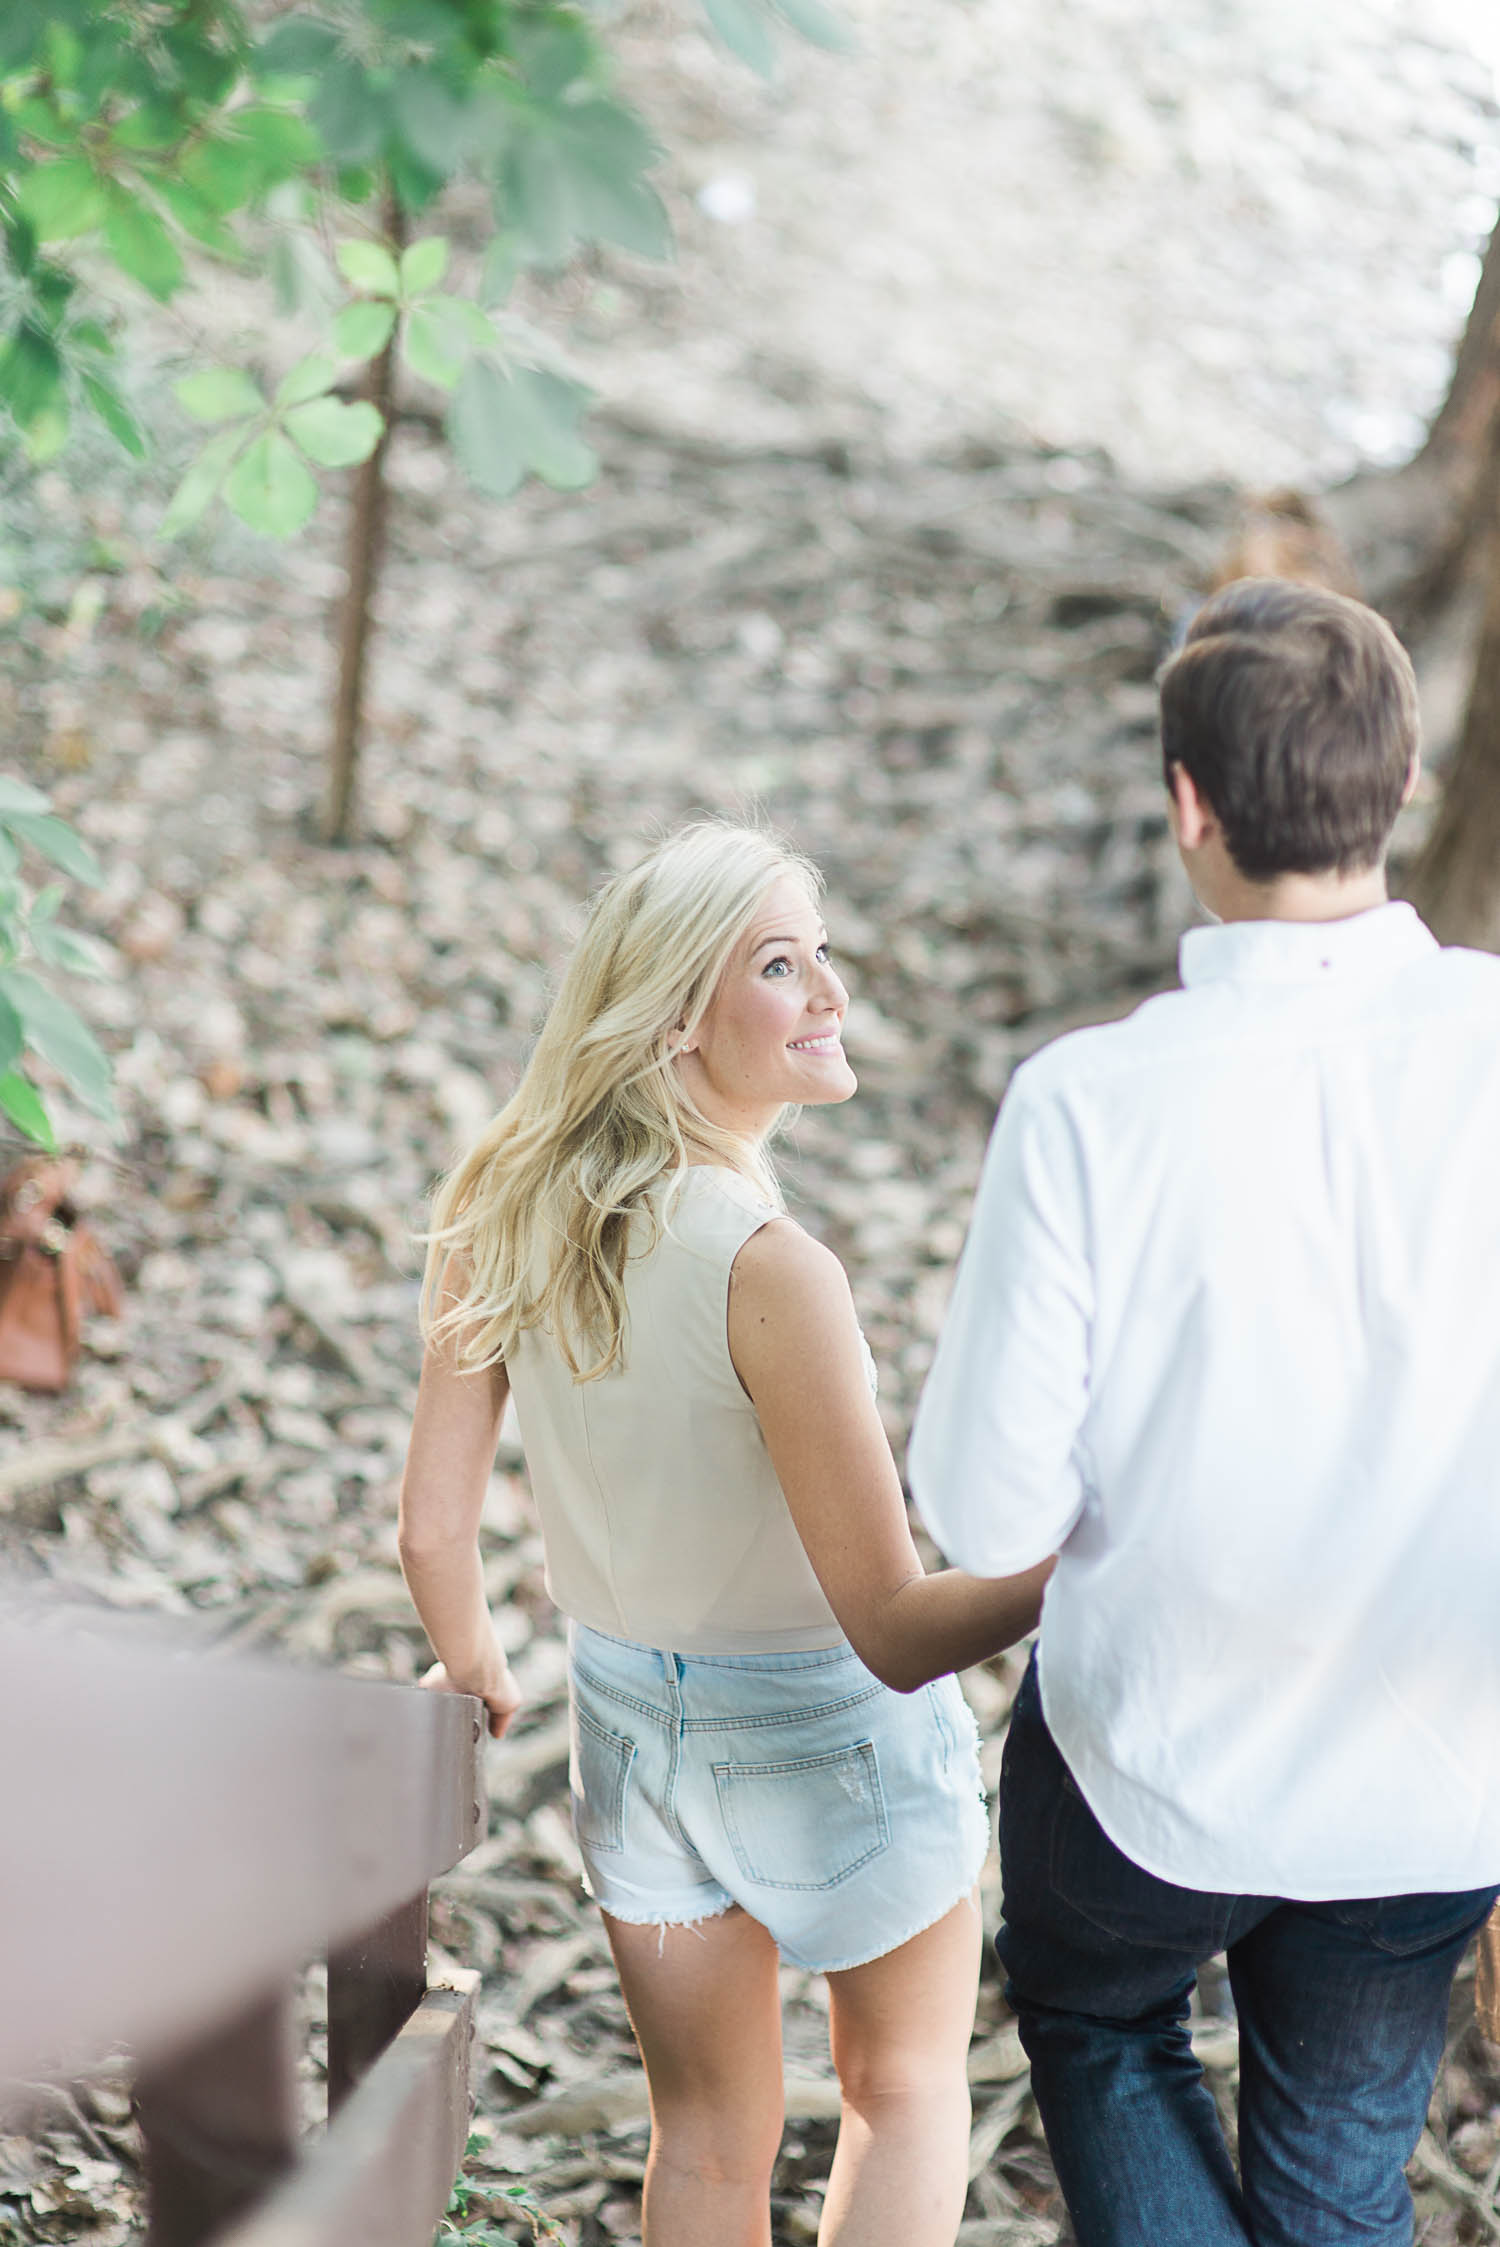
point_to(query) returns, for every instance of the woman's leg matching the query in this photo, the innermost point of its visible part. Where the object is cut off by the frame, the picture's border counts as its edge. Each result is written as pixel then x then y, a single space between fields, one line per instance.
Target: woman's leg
pixel 899 2030
pixel 705 2005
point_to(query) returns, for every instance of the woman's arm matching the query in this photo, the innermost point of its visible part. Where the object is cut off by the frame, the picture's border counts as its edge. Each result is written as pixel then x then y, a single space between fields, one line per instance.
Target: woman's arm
pixel 453 1437
pixel 794 1339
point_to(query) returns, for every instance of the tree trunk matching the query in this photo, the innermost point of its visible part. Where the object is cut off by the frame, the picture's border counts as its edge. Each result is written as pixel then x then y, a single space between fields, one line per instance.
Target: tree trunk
pixel 364 551
pixel 1455 884
pixel 1412 531
pixel 1462 421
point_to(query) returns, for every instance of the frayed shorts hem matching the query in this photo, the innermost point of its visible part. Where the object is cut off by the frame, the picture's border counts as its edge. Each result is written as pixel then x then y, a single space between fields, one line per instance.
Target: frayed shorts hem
pixel 660 1918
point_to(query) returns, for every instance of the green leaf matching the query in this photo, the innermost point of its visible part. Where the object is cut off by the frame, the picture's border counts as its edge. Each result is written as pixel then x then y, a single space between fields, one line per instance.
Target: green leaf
pixel 423 265
pixel 544 411
pixel 363 329
pixel 224 173
pixel 39 120
pixel 434 345
pixel 743 27
pixel 431 120
pixel 347 113
pixel 52 288
pixel 141 246
pixel 19 795
pixel 575 175
pixel 197 216
pixel 56 840
pixel 12 1036
pixel 480 432
pixel 369 266
pixel 47 433
pixel 357 183
pixel 817 24
pixel 22 1103
pixel 154 126
pixel 333 434
pixel 66 948
pixel 312 377
pixel 269 487
pixel 65 53
pixel 62 200
pixel 31 374
pixel 208 68
pixel 553 55
pixel 115 414
pixel 297 48
pixel 63 1038
pixel 20 242
pixel 412 182
pixel 219 394
pixel 535 197
pixel 279 142
pixel 201 483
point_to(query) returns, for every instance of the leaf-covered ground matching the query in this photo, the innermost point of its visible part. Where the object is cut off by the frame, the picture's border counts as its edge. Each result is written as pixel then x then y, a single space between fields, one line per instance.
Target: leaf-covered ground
pixel 938 679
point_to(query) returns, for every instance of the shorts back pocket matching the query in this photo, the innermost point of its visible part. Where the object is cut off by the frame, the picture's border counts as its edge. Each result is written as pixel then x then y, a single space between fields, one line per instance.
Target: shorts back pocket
pixel 804 1824
pixel 600 1772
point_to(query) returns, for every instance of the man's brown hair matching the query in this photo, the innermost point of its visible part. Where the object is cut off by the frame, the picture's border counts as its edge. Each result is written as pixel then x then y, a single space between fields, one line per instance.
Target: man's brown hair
pixel 1294 711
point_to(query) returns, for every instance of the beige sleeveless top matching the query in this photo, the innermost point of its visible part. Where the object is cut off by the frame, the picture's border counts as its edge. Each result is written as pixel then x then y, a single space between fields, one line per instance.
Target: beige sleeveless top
pixel 661 1514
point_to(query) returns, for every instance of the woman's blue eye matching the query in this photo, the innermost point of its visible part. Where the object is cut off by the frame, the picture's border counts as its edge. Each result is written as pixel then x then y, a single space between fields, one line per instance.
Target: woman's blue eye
pixel 780 963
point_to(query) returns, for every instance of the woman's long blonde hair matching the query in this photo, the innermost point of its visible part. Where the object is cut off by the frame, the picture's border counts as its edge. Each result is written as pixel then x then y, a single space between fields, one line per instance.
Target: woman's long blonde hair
pixel 532 1227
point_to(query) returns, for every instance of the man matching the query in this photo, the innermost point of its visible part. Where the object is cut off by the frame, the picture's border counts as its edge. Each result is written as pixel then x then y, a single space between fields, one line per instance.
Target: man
pixel 1226 1337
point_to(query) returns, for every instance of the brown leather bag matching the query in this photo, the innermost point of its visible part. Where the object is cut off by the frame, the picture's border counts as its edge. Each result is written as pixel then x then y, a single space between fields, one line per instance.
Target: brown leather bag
pixel 1487 1979
pixel 52 1272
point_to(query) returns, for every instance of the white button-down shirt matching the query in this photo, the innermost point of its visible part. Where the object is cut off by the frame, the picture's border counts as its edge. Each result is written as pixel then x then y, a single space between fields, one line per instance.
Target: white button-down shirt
pixel 1226 1333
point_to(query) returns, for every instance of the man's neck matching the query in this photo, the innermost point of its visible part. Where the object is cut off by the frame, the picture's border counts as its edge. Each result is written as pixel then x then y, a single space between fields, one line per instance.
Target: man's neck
pixel 1296 897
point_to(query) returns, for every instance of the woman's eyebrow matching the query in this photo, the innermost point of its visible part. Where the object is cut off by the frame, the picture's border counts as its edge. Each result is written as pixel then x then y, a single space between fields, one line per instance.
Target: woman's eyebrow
pixel 762 941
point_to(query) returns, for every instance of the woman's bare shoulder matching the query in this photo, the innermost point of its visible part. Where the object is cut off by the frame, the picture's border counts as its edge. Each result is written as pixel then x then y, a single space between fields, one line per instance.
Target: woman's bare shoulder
pixel 782 1263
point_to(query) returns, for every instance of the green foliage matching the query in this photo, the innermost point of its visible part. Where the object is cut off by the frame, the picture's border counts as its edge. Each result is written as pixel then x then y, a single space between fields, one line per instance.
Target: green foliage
pixel 33 1019
pixel 460 2223
pixel 260 463
pixel 132 136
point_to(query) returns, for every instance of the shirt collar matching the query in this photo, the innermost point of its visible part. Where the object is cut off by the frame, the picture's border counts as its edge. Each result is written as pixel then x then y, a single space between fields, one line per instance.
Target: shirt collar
pixel 1377 942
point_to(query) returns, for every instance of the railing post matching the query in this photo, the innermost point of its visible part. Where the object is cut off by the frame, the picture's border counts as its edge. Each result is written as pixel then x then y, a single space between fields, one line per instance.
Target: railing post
pixel 375 1984
pixel 220 2123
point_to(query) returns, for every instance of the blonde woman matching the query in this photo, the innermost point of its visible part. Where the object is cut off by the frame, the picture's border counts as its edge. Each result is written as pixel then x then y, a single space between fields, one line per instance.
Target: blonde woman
pixel 719 1508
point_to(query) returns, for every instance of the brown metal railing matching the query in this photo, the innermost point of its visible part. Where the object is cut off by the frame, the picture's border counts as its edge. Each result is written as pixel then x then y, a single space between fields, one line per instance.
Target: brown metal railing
pixel 179 1835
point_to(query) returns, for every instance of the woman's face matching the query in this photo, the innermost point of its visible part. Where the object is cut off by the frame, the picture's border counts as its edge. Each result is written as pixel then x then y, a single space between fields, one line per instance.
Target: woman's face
pixel 772 1035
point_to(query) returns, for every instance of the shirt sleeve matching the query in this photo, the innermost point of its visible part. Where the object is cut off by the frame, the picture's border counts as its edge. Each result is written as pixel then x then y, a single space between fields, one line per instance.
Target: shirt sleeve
pixel 993 1462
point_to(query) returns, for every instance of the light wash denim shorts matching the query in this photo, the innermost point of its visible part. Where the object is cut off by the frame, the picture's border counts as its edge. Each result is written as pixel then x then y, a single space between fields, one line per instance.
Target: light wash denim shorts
pixel 844 1817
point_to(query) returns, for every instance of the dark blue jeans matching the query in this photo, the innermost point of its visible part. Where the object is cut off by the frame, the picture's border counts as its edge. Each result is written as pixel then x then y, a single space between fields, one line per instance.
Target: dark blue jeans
pixel 1342 2015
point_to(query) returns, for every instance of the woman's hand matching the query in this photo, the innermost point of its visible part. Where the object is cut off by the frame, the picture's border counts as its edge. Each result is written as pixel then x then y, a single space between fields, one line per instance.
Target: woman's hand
pixel 500 1693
